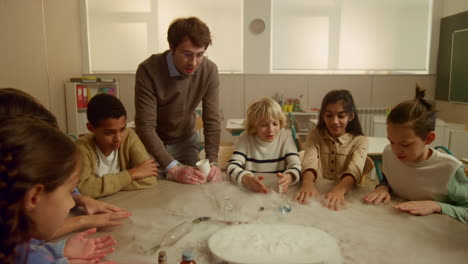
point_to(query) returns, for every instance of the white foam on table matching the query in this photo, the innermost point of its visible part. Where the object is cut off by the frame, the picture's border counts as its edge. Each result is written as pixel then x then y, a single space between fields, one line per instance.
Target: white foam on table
pixel 274 243
pixel 366 234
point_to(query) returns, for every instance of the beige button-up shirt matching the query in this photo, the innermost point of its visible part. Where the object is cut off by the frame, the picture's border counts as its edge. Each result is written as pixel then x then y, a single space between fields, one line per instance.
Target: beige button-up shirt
pixel 332 158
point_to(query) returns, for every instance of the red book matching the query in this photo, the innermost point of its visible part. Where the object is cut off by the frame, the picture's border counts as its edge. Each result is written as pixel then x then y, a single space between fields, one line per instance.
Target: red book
pixel 85 96
pixel 79 96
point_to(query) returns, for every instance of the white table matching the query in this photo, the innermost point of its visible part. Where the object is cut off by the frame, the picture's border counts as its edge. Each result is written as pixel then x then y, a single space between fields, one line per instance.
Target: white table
pixel 377 145
pixel 235 126
pixel 365 233
pixel 375 151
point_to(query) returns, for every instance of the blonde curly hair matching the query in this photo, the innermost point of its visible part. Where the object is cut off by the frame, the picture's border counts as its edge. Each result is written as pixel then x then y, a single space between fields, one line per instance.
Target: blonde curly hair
pixel 263 109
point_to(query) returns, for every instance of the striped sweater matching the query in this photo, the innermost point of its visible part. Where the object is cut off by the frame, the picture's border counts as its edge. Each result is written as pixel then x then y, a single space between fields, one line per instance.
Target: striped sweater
pixel 253 155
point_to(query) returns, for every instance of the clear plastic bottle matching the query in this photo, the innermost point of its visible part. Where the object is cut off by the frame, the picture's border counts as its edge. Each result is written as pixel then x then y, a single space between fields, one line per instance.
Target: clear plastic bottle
pixel 172 236
pixel 188 257
pixel 176 233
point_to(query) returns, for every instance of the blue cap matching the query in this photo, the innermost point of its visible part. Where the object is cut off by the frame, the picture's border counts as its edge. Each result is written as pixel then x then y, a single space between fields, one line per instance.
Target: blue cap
pixel 187 254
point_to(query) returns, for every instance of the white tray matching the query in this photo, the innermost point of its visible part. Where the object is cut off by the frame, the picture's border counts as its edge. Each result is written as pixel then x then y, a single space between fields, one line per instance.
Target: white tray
pixel 274 243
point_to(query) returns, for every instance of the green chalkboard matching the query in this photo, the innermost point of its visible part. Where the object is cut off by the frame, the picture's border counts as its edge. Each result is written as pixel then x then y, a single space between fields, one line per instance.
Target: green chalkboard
pixel 459 67
pixel 448 25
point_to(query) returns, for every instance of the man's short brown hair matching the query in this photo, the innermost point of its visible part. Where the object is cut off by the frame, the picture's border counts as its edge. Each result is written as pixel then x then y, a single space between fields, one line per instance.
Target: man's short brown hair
pixel 193 28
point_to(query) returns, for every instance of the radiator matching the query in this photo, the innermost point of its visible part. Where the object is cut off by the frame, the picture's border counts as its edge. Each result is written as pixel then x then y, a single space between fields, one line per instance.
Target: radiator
pixel 366 116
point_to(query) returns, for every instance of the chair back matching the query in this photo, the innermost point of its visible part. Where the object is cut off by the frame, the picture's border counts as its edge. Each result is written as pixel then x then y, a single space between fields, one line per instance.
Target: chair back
pixel 368 167
pixel 450 153
pixel 444 148
pixel 294 129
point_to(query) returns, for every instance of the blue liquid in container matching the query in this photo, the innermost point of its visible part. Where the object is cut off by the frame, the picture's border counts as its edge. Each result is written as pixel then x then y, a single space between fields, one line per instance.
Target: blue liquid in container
pixel 285 208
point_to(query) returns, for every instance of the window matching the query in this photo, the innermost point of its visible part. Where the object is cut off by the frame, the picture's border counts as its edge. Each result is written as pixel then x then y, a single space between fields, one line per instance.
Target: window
pixel 319 36
pixel 120 34
pixel 351 35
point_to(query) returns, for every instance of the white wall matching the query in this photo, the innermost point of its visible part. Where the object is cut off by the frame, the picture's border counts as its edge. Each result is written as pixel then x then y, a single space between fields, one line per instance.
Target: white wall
pixel 452 7
pixel 62 27
pixel 25 61
pixel 40 48
pixel 257 46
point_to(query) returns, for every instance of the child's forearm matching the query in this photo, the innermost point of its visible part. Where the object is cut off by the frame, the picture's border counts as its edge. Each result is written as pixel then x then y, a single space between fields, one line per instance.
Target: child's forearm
pixel 101 186
pixel 383 188
pixel 458 212
pixel 140 184
pixel 134 173
pixel 346 183
pixel 309 176
pixel 235 172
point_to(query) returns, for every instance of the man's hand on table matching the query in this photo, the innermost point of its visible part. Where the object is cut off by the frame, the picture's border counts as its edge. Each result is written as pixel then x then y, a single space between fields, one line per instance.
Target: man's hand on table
pixel 186 174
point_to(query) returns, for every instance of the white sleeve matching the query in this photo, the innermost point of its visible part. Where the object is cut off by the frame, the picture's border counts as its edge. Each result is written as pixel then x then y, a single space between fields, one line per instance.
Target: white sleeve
pixel 236 165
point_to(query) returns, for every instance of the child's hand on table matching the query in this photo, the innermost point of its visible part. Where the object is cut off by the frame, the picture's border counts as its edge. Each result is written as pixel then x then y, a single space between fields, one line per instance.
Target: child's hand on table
pixel 254 183
pixel 104 220
pixel 93 261
pixel 284 181
pixel 88 249
pixel 92 206
pixel 146 169
pixel 380 195
pixel 308 189
pixel 419 207
pixel 335 199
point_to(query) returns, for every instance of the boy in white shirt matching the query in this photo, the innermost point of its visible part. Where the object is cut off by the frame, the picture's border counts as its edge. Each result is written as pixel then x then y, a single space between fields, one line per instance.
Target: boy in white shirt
pixel 113 157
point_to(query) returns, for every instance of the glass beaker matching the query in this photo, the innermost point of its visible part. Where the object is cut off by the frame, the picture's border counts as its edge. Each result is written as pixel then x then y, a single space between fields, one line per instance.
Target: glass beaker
pixel 227 208
pixel 285 206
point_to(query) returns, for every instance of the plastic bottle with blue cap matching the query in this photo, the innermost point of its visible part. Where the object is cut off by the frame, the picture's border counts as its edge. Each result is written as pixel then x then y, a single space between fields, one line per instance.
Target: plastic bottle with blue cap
pixel 188 257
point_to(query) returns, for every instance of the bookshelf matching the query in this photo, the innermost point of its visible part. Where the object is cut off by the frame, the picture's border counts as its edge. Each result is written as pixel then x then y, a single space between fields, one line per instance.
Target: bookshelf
pixel 77 95
pixel 303 122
